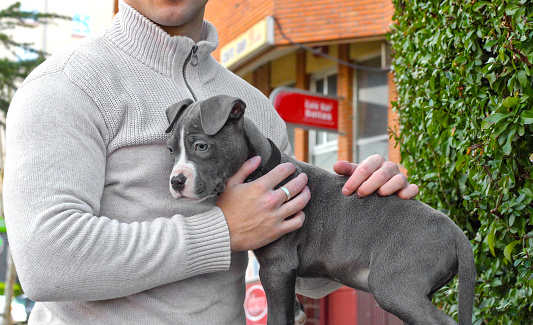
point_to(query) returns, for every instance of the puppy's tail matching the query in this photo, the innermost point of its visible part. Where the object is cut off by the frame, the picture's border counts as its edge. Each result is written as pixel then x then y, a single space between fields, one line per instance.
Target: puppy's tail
pixel 467 278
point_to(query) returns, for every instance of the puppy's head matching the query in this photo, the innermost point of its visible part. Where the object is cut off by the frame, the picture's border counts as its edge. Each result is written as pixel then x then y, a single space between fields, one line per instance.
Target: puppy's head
pixel 207 144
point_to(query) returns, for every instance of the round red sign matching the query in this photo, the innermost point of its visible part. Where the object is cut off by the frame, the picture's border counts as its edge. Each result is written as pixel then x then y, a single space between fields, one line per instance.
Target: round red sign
pixel 255 304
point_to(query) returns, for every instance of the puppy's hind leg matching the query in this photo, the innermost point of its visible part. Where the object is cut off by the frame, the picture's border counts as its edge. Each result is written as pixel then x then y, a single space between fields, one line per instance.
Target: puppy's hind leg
pixel 405 297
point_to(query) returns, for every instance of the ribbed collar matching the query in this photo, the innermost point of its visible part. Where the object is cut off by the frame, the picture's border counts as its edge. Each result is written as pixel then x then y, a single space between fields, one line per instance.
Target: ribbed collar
pixel 147 42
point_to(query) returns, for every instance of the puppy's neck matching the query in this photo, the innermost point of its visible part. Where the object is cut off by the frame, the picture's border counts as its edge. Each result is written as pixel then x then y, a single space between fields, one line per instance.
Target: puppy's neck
pixel 258 144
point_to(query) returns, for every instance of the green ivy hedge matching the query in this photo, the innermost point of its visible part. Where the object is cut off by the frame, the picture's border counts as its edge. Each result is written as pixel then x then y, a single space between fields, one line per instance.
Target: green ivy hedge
pixel 464 73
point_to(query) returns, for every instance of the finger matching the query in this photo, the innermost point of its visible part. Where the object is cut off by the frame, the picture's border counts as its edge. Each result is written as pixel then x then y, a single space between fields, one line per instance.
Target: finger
pixel 344 168
pixel 294 187
pixel 393 185
pixel 362 172
pixel 296 204
pixel 378 179
pixel 292 224
pixel 246 169
pixel 276 175
pixel 409 192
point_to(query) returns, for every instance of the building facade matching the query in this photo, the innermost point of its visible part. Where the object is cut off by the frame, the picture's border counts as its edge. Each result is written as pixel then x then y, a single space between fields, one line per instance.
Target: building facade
pixel 88 17
pixel 335 48
pixel 305 46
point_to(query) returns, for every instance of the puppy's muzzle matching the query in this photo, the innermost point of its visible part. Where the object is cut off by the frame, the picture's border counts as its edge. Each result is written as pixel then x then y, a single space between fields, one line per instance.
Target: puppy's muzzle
pixel 178 182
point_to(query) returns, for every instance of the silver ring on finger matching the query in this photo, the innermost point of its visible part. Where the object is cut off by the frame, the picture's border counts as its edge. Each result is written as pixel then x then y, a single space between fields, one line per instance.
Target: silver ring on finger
pixel 286 193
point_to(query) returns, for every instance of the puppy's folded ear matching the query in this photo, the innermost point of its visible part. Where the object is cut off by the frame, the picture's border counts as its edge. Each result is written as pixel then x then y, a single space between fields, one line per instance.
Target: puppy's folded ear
pixel 174 112
pixel 216 111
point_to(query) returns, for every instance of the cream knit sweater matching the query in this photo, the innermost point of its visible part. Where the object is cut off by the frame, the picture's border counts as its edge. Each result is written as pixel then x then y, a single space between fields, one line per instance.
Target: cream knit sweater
pixel 95 234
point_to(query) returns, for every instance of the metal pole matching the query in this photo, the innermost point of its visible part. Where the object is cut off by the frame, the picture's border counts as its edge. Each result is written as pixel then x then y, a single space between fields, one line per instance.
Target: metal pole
pixel 9 288
pixel 45 28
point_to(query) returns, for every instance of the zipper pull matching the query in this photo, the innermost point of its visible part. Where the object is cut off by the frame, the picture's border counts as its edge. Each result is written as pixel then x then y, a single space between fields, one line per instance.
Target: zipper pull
pixel 194 58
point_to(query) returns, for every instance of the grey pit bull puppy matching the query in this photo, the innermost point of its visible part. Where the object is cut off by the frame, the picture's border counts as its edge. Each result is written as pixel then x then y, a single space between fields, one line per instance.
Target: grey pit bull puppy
pixel 400 251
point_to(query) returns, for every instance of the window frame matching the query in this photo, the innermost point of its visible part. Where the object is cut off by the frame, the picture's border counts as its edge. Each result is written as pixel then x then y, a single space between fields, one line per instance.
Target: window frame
pixel 325 146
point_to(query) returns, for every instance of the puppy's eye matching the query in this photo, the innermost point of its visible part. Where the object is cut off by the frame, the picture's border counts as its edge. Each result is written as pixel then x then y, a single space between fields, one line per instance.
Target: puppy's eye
pixel 201 146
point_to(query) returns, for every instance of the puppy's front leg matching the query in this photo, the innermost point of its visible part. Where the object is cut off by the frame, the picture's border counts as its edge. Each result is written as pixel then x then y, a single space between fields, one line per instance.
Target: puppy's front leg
pixel 279 289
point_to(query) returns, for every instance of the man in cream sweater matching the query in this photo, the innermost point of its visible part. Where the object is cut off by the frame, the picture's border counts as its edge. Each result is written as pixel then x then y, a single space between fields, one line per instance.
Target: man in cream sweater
pixel 95 234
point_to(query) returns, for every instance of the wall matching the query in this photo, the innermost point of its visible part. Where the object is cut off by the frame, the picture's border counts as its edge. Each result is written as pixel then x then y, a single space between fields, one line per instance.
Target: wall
pixel 322 20
pixel 302 21
pixel 234 17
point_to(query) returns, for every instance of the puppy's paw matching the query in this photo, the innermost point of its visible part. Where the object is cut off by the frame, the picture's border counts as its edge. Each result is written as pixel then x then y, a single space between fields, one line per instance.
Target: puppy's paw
pixel 299 318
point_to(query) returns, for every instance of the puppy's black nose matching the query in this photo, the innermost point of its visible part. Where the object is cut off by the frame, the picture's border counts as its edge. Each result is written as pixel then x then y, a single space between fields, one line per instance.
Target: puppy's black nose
pixel 178 182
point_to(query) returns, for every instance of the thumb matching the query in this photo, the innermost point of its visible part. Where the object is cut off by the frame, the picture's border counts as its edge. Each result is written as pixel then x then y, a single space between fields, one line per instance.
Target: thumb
pixel 246 169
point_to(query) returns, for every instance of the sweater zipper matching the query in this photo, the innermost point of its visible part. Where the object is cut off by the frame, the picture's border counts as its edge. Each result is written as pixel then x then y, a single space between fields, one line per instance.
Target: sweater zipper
pixel 192 55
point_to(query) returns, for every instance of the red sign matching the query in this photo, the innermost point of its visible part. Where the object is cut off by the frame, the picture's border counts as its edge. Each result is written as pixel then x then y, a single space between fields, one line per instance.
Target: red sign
pixel 306 109
pixel 255 304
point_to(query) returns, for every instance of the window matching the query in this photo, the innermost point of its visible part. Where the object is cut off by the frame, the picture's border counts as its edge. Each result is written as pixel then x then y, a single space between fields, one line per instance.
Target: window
pixel 372 109
pixel 81 25
pixel 323 145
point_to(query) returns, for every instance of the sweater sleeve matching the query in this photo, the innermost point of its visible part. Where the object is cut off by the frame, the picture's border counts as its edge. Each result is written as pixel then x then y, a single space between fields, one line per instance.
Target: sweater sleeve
pixel 54 180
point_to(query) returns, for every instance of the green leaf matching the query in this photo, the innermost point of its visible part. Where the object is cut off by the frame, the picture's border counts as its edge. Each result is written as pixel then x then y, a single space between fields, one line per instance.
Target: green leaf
pixel 495 118
pixel 507 148
pixel 460 163
pixel 502 55
pixel 479 5
pixel 490 239
pixel 526 117
pixel 490 44
pixel 491 77
pixel 527 192
pixel 510 101
pixel 522 78
pixel 509 249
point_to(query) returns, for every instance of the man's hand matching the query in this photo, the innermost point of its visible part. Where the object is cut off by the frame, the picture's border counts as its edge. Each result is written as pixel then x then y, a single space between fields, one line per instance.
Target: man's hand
pixel 255 212
pixel 374 173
